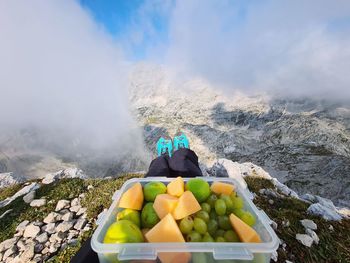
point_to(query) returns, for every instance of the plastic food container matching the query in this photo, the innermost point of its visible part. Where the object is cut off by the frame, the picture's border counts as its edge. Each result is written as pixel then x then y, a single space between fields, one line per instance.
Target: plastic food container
pixel 201 251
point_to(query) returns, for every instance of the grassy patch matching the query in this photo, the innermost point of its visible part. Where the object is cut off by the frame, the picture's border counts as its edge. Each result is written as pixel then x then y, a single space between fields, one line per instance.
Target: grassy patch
pixel 333 245
pixel 9 191
pixel 257 183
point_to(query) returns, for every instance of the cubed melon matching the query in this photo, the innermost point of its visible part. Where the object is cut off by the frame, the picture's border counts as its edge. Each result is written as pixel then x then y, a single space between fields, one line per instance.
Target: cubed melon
pixel 164 204
pixel 186 206
pixel 245 233
pixel 221 188
pixel 176 187
pixel 132 198
pixel 168 231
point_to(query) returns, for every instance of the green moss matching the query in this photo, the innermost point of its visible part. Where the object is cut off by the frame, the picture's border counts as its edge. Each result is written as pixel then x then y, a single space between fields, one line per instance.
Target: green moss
pixel 333 245
pixel 257 183
pixel 9 191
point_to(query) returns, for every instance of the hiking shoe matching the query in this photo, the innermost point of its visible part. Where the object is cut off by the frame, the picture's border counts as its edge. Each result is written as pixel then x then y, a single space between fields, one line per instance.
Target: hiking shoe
pixel 164 147
pixel 181 142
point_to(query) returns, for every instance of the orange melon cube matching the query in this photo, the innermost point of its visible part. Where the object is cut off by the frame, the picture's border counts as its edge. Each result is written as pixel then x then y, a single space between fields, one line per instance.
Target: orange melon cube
pixel 176 187
pixel 132 198
pixel 174 257
pixel 186 206
pixel 164 204
pixel 245 232
pixel 221 188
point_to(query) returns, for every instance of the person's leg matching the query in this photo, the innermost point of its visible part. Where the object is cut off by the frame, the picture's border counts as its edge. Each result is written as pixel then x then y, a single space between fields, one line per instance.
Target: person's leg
pixel 184 162
pixel 159 167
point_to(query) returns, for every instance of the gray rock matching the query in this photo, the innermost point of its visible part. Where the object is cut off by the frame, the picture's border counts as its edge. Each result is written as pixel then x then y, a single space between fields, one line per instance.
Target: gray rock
pixel 6 244
pixel 67 216
pixel 75 202
pixel 58 237
pixel 90 187
pixel 64 211
pixel 49 228
pixel 52 177
pixel 64 226
pixel 11 251
pixel 313 235
pixel 38 248
pixel 326 212
pixel 45 250
pixel 331 228
pixel 61 204
pixel 80 223
pixel 21 245
pixel 22 225
pixel 28 198
pixel 42 238
pixel 75 209
pixel 28 253
pixel 38 202
pixel 73 241
pixel 6 179
pixel 81 211
pixel 31 231
pixel 52 218
pixel 306 240
pixel 37 258
pixel 25 190
pixel 308 224
pixel 309 198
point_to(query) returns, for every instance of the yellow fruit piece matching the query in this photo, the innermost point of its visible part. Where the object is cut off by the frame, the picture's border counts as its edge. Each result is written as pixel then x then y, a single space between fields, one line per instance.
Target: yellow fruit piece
pixel 244 232
pixel 168 231
pixel 164 204
pixel 132 198
pixel 174 257
pixel 186 206
pixel 176 187
pixel 165 231
pixel 222 188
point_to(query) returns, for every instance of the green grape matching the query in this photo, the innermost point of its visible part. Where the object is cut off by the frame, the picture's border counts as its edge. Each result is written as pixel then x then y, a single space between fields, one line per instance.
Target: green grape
pixel 211 200
pixel 213 215
pixel 199 257
pixel 224 222
pixel 237 202
pixel 219 233
pixel 231 236
pixel 186 225
pixel 199 225
pixel 238 212
pixel 220 207
pixel 206 207
pixel 248 218
pixel 194 237
pixel 220 239
pixel 203 215
pixel 228 203
pixel 212 226
pixel 207 238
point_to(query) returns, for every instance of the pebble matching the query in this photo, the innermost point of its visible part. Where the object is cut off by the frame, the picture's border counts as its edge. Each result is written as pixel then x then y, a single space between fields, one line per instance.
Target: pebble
pixel 306 240
pixel 75 208
pixel 42 238
pixel 67 216
pixel 22 225
pixel 6 244
pixel 331 228
pixel 28 198
pixel 271 202
pixel 31 231
pixel 28 253
pixel 308 224
pixel 313 235
pixel 64 226
pixel 49 228
pixel 38 202
pixel 80 223
pixel 61 204
pixel 75 202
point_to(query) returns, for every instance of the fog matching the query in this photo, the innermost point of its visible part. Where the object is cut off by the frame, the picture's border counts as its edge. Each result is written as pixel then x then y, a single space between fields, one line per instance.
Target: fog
pixel 63 83
pixel 286 48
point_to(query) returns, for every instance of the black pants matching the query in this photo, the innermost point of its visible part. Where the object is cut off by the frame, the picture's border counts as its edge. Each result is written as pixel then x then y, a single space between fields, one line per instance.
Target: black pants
pixel 184 162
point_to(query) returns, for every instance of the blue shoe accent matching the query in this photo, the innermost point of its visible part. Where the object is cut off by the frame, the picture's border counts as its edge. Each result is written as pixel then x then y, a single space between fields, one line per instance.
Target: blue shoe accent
pixel 181 142
pixel 164 147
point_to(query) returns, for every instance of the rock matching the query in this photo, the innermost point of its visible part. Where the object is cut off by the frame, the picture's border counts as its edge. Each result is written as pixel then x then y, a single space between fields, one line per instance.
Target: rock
pixel 326 212
pixel 72 234
pixel 81 211
pixel 31 231
pixel 42 238
pixel 11 251
pixel 306 240
pixel 25 190
pixel 274 225
pixel 285 223
pixel 38 248
pixel 52 218
pixel 331 228
pixel 284 189
pixel 75 202
pixel 52 177
pixel 37 258
pixel 313 235
pixel 73 241
pixel 45 250
pixel 28 198
pixel 81 196
pixel 75 208
pixel 309 198
pixel 67 216
pixel 308 224
pixel 271 202
pixel 61 204
pixel 58 237
pixel 38 202
pixel 22 225
pixel 28 253
pixel 90 187
pixel 66 173
pixel 38 223
pixel 49 228
pixel 21 245
pixel 64 211
pixel 80 223
pixel 6 244
pixel 6 179
pixel 64 226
